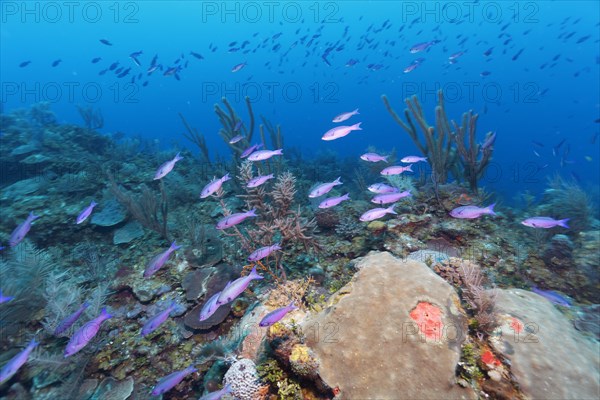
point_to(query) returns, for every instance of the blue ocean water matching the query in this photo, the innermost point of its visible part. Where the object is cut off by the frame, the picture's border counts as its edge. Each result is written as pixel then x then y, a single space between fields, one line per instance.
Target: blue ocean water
pixel 542 86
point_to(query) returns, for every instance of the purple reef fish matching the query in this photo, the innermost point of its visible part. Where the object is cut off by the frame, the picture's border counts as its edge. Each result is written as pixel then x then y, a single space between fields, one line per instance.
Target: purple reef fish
pixel 153 323
pixel 545 222
pixel 334 201
pixel 16 362
pixel 213 186
pixel 233 289
pixel 262 155
pixel 324 188
pixel 167 167
pixel 20 231
pixel 263 252
pixel 276 315
pixel 209 307
pixel 236 139
pixel 159 260
pixel 218 394
pixel 489 141
pixel 423 46
pixel 553 297
pixel 68 322
pixel 4 299
pixel 170 381
pixel 381 188
pixel 387 198
pixel 471 212
pixel 86 213
pixel 250 150
pixel 86 333
pixel 377 213
pixel 237 67
pixel 412 66
pixel 235 219
pixel 259 180
pixel 413 159
pixel 373 157
pixel 396 169
pixel 341 131
pixel 344 116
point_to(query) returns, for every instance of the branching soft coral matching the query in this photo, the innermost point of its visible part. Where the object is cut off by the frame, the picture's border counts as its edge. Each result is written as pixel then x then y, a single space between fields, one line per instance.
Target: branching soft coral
pixel 480 300
pixel 278 220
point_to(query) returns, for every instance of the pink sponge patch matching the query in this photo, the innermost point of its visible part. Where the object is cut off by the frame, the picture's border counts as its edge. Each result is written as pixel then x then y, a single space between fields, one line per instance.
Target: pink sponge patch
pixel 429 320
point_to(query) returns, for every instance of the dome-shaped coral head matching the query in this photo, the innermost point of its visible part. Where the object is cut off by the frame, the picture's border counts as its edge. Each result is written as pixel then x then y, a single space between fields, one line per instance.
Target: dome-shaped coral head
pixel 429 320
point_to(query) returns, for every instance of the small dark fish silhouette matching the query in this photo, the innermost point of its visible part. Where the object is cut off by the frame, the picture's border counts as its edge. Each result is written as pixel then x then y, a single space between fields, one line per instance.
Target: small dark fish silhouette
pixel 557 147
pixel 55 63
pixel 583 39
pixel 95 60
pixel 24 64
pixel 106 42
pixel 516 56
pixel 197 55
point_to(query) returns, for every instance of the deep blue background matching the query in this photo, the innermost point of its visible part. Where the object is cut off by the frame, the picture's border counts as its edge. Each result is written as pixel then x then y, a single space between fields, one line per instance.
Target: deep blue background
pixel 519 100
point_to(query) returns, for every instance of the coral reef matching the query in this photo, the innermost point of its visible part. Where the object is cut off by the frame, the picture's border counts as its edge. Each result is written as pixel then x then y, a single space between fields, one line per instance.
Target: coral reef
pixel 437 147
pixel 565 198
pixel 538 354
pixel 421 333
pixel 278 221
pixel 428 319
pixel 370 316
pixel 243 379
pixel 349 227
pixel 145 208
pixel 474 158
pixel 480 301
pixel 438 144
pixel 229 119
